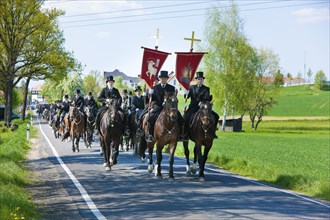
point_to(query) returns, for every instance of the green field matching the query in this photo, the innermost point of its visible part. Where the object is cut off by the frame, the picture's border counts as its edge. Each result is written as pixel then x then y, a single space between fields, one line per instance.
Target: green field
pixel 293 154
pixel 301 101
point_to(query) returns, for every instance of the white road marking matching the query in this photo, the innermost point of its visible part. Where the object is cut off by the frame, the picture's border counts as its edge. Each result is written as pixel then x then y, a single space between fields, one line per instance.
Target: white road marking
pixel 81 189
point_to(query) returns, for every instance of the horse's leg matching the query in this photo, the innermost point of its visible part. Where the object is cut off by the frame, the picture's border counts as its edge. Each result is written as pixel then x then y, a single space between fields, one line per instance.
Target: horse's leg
pixel 198 150
pixel 204 158
pixel 172 147
pixel 107 153
pixel 150 161
pixel 73 139
pixel 194 166
pixel 159 158
pixel 77 142
pixel 186 153
pixel 115 153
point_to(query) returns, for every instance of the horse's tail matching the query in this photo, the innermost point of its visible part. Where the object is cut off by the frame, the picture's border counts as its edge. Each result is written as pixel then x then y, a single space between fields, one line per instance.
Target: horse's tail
pixel 66 135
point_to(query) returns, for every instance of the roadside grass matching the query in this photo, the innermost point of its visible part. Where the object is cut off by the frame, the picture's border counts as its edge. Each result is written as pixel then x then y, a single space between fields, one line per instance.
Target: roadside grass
pixel 291 154
pixel 15 201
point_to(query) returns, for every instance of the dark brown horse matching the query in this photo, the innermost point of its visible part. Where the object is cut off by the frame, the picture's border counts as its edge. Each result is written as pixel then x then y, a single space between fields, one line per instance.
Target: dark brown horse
pixel 110 131
pixel 77 127
pixel 56 126
pixel 201 131
pixel 90 126
pixel 166 131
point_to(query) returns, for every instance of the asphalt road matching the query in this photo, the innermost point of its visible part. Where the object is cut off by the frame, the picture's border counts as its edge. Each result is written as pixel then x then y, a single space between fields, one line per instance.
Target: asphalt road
pixel 80 188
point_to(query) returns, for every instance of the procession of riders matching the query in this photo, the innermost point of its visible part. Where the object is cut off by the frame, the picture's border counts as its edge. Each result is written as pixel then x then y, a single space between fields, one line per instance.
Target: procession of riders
pixel 132 106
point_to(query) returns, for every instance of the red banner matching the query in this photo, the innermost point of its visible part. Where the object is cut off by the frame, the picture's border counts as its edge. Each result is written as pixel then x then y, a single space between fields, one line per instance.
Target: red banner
pixel 186 66
pixel 152 62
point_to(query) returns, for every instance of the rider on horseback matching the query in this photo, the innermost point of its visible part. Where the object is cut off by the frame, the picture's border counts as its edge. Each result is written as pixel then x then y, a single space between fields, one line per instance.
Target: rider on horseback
pixel 158 93
pixel 107 93
pixel 91 103
pixel 64 108
pixel 197 93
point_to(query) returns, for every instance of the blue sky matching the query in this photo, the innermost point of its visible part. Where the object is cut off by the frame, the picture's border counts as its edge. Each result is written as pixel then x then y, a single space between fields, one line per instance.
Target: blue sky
pixel 106 34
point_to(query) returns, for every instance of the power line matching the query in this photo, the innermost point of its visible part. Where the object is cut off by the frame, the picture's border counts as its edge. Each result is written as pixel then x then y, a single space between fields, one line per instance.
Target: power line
pixel 192 15
pixel 156 13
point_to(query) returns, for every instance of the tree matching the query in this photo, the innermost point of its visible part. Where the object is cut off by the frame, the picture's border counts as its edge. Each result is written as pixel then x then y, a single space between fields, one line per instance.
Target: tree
pixel 320 79
pixel 278 78
pixel 309 75
pixel 30 44
pixel 288 75
pixel 92 82
pixel 229 64
pixel 263 91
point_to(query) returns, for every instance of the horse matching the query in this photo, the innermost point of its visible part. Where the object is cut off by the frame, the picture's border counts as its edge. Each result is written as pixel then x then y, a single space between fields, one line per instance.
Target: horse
pixel 90 126
pixel 166 131
pixel 110 132
pixel 56 126
pixel 77 127
pixel 201 131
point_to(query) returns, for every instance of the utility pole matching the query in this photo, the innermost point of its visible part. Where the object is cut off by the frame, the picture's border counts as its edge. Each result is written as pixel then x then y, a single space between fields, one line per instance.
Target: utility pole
pixel 305 65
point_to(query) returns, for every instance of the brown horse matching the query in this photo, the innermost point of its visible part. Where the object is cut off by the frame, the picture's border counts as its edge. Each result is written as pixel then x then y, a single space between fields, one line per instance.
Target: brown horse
pixel 166 131
pixel 77 127
pixel 56 126
pixel 201 131
pixel 110 132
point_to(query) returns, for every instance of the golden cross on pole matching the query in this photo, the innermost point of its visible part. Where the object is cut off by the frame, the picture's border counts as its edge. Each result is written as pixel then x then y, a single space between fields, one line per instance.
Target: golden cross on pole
pixel 192 39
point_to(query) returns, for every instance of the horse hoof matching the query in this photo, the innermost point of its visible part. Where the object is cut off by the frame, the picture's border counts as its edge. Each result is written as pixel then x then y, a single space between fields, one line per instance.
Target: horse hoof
pixel 107 168
pixel 171 179
pixel 201 179
pixel 159 176
pixel 114 162
pixel 194 171
pixel 143 159
pixel 151 168
pixel 188 172
pixel 104 164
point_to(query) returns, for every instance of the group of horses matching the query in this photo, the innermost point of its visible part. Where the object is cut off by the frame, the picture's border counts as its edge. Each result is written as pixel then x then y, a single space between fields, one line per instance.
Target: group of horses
pixel 167 130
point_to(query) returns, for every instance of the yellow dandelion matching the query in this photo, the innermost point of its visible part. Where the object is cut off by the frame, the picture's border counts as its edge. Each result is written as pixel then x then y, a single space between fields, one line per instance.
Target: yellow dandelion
pixel 17 208
pixel 16 218
pixel 22 217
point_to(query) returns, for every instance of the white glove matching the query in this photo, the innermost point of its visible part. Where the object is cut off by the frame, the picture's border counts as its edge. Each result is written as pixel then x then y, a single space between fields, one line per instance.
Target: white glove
pixel 151 91
pixel 137 109
pixel 107 100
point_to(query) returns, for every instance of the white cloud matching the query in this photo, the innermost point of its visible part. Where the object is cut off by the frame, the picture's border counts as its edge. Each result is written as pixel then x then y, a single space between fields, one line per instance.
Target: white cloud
pixel 312 15
pixel 102 34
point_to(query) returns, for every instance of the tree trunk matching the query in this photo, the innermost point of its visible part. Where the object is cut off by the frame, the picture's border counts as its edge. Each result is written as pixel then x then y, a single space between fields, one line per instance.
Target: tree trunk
pixel 259 120
pixel 9 101
pixel 26 91
pixel 252 118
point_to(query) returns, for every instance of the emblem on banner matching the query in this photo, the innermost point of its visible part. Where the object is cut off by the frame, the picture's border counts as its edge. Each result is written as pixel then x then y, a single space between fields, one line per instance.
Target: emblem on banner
pixel 152 67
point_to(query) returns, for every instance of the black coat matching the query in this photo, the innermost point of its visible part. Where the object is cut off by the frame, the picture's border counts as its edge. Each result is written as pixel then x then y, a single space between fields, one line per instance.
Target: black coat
pixel 198 94
pixel 159 93
pixel 79 102
pixel 65 107
pixel 106 93
pixel 91 103
pixel 138 102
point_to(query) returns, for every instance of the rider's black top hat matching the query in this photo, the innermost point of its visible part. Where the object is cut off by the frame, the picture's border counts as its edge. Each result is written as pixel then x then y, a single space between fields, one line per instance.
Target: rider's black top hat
pixel 110 78
pixel 199 75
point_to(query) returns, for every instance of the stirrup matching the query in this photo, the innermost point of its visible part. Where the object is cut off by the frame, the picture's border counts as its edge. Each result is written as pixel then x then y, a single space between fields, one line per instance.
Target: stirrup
pixel 149 138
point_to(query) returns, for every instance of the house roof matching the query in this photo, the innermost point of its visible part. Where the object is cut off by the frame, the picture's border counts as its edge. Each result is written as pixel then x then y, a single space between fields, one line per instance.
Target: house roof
pixel 117 73
pixel 37 88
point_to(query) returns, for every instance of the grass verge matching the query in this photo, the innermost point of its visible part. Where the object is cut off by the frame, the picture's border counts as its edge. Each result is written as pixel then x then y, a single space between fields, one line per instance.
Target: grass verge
pixel 15 201
pixel 291 154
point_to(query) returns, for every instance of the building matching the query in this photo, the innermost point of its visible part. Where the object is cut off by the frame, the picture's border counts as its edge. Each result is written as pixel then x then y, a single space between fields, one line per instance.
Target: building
pixel 35 95
pixel 129 81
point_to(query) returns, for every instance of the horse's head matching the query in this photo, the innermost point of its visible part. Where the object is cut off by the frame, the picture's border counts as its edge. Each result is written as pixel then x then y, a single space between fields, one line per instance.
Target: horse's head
pixel 171 106
pixel 112 105
pixel 74 111
pixel 205 113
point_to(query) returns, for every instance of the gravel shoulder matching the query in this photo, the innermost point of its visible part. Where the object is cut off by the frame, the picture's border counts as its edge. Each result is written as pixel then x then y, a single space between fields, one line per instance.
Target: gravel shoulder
pixel 51 199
